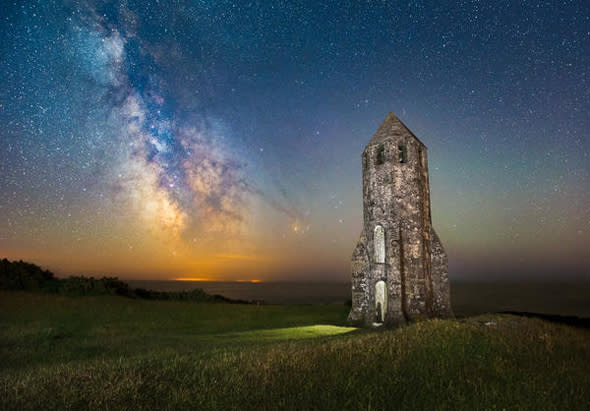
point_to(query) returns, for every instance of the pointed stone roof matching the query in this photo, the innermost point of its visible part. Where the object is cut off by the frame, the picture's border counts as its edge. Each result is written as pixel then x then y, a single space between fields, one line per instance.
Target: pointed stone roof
pixel 390 128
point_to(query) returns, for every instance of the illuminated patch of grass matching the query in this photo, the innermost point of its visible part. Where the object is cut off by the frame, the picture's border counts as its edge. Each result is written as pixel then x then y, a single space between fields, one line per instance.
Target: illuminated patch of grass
pixel 291 333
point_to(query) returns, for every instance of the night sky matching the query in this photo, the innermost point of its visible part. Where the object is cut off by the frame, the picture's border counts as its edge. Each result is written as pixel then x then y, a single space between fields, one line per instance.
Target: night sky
pixel 222 140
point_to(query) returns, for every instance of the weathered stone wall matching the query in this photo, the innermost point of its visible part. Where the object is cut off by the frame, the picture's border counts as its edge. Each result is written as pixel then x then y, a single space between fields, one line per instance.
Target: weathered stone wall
pixel 408 209
pixel 396 196
pixel 440 280
pixel 360 282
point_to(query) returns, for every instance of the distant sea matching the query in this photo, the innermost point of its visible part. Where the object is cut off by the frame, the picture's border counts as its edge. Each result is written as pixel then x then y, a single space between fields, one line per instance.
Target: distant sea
pixel 467 298
pixel 269 293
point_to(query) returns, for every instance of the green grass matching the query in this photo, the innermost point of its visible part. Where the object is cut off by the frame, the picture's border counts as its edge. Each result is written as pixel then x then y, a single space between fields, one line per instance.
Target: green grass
pixel 113 352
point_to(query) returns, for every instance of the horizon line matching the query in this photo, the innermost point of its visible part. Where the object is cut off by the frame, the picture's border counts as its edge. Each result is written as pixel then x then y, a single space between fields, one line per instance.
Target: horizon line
pixel 211 280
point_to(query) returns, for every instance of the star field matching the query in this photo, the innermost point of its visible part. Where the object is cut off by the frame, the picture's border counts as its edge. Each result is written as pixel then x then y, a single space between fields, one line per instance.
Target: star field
pixel 222 139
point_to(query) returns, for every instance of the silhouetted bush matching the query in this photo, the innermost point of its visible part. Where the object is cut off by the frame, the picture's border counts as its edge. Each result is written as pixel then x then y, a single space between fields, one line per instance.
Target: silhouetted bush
pixel 19 275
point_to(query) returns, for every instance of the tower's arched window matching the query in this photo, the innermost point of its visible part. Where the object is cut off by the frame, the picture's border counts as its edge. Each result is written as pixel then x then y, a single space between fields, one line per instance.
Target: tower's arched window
pixel 421 157
pixel 403 153
pixel 380 157
pixel 379 243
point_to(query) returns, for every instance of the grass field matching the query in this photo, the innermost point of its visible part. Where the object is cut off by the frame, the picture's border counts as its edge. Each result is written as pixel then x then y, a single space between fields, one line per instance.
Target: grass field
pixel 114 352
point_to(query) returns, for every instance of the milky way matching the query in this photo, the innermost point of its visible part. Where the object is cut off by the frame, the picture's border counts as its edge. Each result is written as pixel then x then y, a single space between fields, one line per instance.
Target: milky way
pixel 223 139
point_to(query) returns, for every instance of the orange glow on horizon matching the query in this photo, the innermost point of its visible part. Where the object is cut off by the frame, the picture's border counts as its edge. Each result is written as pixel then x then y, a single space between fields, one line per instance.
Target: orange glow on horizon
pixel 193 279
pixel 214 280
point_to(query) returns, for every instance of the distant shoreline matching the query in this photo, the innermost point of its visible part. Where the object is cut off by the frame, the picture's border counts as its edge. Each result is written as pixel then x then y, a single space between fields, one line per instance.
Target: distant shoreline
pixel 468 297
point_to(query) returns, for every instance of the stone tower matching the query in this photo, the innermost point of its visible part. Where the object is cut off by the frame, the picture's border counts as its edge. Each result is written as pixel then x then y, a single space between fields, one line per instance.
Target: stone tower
pixel 399 267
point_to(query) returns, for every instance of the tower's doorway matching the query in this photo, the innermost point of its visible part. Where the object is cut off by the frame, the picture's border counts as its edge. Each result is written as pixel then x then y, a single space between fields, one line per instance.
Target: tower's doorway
pixel 380 301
